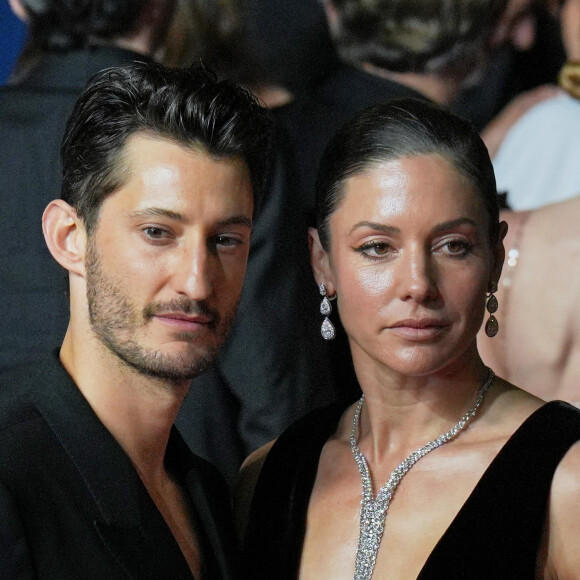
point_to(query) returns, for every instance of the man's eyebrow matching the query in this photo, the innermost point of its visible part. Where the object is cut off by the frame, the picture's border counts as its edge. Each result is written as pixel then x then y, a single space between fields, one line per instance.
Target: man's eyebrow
pixel 173 215
pixel 452 224
pixel 375 226
pixel 236 220
pixel 157 212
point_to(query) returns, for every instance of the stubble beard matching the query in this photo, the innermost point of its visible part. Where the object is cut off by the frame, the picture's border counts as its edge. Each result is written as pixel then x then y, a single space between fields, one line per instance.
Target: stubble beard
pixel 115 320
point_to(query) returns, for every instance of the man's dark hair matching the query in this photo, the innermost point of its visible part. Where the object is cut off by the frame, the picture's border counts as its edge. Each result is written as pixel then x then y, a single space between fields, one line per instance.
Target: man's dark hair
pixel 405 127
pixel 188 106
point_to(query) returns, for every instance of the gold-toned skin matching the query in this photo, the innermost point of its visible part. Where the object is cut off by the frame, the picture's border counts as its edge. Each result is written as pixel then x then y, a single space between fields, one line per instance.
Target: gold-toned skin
pixel 538 345
pixel 410 261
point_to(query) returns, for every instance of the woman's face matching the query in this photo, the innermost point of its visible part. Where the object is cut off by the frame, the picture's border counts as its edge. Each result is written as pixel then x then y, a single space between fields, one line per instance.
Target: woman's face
pixel 411 262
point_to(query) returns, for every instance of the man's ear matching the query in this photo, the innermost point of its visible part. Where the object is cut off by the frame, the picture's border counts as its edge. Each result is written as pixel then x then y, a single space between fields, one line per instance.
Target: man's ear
pixel 499 253
pixel 320 262
pixel 65 236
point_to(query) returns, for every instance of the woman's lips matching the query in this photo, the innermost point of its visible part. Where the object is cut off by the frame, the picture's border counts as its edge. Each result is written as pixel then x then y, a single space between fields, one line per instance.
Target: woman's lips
pixel 419 329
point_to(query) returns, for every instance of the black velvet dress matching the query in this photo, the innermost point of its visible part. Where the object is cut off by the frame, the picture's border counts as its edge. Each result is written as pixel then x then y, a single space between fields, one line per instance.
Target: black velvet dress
pixel 495 535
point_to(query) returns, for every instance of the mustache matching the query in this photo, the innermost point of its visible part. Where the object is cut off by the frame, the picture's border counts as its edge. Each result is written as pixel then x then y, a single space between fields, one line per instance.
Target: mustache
pixel 184 306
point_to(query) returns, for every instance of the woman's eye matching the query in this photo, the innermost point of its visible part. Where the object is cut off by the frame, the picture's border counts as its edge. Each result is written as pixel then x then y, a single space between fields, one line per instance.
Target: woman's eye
pixel 457 247
pixel 375 249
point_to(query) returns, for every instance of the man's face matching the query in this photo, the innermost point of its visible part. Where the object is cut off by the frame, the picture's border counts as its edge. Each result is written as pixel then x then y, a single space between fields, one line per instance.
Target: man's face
pixel 166 261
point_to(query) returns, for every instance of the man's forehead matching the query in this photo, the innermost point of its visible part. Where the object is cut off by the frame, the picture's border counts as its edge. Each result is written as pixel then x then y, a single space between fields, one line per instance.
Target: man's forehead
pixel 162 175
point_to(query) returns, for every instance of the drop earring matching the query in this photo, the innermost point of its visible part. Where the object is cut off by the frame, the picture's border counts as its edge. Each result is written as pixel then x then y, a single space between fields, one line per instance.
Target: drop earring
pixel 327 329
pixel 492 326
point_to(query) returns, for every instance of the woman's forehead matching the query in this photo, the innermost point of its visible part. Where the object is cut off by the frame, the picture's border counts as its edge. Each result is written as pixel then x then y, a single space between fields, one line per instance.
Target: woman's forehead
pixel 410 184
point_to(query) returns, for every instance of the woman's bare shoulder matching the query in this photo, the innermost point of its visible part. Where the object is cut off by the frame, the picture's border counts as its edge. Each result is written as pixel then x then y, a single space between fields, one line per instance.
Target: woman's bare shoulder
pixel 512 403
pixel 564 518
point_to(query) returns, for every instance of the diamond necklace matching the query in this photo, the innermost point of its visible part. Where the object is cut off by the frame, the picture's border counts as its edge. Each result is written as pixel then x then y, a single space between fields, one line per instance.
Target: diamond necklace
pixel 374 511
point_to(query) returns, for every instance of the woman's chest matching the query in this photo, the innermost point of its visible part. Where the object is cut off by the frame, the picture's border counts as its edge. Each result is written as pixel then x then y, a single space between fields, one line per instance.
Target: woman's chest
pixel 422 507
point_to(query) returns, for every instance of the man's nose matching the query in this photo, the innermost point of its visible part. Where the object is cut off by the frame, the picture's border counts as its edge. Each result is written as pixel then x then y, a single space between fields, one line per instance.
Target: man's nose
pixel 194 272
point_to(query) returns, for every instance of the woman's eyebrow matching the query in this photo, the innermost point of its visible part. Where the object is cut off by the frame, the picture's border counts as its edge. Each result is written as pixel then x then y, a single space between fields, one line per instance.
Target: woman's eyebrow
pixel 376 226
pixel 454 224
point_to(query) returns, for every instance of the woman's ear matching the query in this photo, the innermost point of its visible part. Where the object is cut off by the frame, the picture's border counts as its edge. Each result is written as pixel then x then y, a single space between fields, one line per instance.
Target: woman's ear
pixel 65 236
pixel 499 252
pixel 320 262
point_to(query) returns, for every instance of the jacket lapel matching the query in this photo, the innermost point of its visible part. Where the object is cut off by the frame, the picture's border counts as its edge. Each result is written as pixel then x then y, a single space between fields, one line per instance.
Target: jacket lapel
pixel 210 507
pixel 125 517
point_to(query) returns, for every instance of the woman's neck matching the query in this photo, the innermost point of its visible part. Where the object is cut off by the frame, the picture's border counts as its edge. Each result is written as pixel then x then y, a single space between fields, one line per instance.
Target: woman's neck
pixel 402 412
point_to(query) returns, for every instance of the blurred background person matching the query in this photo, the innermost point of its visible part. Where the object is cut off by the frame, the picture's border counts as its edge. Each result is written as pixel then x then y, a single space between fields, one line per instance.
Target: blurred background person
pixel 436 50
pixel 539 340
pixel 290 47
pixel 538 344
pixel 528 53
pixel 67 42
pixel 537 162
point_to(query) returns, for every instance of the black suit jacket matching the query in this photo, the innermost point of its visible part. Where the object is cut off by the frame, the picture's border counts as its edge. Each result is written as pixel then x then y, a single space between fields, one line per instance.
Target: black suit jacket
pixel 33 114
pixel 71 504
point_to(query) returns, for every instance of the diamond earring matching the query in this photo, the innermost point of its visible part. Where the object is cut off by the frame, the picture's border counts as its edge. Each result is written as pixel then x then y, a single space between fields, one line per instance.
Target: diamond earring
pixel 327 329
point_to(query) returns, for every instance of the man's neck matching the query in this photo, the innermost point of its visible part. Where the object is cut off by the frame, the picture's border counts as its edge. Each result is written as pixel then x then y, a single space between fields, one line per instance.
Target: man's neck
pixel 138 411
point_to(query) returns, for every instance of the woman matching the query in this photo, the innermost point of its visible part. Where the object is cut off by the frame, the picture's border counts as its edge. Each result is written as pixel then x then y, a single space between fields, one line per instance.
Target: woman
pixel 410 244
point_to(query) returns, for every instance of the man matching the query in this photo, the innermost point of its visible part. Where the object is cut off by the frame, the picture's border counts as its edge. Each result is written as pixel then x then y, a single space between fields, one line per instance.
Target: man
pixel 160 169
pixel 67 43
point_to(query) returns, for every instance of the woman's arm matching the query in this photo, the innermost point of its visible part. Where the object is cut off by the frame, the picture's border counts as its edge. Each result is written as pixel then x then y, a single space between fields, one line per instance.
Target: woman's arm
pixel 563 553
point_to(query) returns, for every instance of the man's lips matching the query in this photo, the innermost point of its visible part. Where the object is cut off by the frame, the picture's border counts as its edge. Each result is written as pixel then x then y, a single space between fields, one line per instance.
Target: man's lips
pixel 184 321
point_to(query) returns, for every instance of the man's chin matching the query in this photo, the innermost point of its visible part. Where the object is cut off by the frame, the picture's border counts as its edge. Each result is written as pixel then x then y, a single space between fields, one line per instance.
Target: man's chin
pixel 176 366
pixel 174 371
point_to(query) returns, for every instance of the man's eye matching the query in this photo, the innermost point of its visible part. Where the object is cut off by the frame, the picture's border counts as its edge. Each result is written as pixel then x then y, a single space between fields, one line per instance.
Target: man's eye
pixel 228 241
pixel 155 233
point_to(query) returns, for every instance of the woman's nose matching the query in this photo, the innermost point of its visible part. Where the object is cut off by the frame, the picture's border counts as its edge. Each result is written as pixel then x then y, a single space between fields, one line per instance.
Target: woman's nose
pixel 416 276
